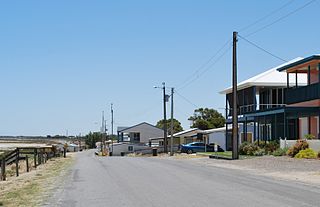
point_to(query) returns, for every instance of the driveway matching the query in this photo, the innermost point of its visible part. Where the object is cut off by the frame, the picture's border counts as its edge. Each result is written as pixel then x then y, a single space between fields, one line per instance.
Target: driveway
pixel 159 182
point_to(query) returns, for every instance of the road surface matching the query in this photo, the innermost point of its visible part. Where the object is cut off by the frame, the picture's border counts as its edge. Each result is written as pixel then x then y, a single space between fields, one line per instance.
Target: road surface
pixel 162 182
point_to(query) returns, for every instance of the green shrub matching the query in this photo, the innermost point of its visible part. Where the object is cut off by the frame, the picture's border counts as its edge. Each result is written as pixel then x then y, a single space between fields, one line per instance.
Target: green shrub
pixel 319 155
pixel 295 149
pixel 280 152
pixel 309 136
pixel 261 144
pixel 306 154
pixel 259 152
pixel 247 148
pixel 271 146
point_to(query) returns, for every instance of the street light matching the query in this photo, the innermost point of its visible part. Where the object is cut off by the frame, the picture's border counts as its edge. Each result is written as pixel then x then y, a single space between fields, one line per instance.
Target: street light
pixel 166 99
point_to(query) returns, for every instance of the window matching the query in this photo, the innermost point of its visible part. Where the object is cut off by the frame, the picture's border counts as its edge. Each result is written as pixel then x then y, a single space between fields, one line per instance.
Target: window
pixel 130 148
pixel 136 137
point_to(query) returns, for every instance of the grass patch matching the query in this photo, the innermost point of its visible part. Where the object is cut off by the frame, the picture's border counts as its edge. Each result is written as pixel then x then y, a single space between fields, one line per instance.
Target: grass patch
pixel 226 154
pixel 30 191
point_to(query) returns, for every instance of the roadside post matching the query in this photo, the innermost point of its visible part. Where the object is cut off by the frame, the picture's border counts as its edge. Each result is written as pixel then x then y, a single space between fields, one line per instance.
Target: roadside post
pixel 65 150
pixel 17 163
pixel 215 148
pixel 3 169
pixel 27 163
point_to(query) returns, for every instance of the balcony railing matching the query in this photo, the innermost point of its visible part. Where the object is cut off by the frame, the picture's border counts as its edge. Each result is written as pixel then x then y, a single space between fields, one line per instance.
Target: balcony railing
pixel 303 93
pixel 255 107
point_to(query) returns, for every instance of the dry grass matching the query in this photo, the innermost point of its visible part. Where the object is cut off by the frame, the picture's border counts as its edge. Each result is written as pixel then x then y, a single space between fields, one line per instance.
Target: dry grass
pixel 29 189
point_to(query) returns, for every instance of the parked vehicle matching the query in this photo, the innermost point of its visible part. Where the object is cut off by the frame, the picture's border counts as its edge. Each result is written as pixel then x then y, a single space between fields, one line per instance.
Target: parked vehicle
pixel 198 147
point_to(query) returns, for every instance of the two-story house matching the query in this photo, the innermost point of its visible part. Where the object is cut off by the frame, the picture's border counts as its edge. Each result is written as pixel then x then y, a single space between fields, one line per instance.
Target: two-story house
pixel 262 105
pixel 303 100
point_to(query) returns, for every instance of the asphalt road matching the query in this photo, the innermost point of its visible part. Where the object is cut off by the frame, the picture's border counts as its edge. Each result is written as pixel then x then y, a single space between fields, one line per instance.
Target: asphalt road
pixel 144 182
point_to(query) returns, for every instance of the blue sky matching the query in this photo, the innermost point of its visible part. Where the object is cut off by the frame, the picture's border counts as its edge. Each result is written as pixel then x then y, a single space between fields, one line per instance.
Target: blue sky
pixel 63 62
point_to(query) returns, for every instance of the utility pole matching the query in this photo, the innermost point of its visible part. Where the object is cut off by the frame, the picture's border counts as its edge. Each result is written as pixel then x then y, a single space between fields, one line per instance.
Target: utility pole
pixel 165 136
pixel 103 137
pixel 112 128
pixel 171 127
pixel 235 154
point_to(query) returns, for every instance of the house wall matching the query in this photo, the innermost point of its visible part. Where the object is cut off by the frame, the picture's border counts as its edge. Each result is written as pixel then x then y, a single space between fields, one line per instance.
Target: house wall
pixel 304 126
pixel 124 147
pixel 218 138
pixel 186 136
pixel 314 126
pixel 314 76
pixel 313 103
pixel 146 132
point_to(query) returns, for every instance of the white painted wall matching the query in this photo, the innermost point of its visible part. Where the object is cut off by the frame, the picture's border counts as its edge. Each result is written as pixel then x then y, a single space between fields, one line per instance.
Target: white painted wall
pixel 218 138
pixel 303 122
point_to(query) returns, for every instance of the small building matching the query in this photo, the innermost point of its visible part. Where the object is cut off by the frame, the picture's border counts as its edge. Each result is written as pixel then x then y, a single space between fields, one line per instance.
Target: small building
pixel 140 133
pixel 179 138
pixel 223 139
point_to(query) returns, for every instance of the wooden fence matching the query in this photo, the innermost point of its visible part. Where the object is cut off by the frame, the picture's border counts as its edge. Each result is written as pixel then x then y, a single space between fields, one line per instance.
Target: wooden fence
pixel 40 156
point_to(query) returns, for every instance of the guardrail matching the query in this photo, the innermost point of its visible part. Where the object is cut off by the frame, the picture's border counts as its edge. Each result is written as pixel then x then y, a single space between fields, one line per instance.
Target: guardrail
pixel 40 156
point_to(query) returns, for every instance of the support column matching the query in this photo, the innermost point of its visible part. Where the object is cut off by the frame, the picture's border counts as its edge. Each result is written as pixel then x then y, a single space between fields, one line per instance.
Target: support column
pixel 254 130
pixel 275 127
pixel 264 129
pixel 319 77
pixel 319 125
pixel 246 129
pixel 296 79
pixel 309 78
pixel 309 125
pixel 243 131
pixel 254 99
pixel 258 131
pixel 284 125
pixel 226 108
pixel 288 80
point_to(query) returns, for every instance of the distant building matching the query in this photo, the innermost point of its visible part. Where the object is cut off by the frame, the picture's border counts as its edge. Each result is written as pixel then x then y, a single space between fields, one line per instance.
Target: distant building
pixel 140 133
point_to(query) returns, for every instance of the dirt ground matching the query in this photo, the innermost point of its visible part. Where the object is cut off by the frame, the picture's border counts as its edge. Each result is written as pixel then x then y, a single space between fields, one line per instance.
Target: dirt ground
pixel 284 168
pixel 29 188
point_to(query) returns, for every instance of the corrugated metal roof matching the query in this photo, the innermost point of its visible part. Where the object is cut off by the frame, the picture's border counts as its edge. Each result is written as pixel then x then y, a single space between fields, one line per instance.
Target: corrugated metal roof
pixel 185 131
pixel 271 77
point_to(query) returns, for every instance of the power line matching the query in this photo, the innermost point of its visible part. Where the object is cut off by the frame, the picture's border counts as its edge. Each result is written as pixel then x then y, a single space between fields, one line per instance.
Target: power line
pixel 264 50
pixel 204 71
pixel 204 64
pixel 266 16
pixel 187 100
pixel 281 18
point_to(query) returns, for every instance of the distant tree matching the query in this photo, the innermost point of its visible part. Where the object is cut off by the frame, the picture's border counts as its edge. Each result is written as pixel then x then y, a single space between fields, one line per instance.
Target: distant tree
pixel 92 138
pixel 176 125
pixel 205 118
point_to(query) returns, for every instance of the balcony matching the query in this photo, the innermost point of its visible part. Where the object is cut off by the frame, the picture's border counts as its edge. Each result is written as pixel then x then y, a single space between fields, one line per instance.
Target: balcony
pixel 303 93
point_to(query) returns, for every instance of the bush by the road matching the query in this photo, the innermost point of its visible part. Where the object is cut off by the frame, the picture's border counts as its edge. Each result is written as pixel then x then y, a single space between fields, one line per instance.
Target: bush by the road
pixel 247 148
pixel 306 154
pixel 295 149
pixel 280 152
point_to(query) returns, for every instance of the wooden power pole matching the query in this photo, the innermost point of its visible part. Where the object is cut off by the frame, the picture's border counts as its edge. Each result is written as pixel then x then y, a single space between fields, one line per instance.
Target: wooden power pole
pixel 235 154
pixel 165 135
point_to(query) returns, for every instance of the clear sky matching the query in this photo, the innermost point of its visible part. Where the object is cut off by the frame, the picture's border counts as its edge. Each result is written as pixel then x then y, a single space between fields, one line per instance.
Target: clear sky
pixel 63 62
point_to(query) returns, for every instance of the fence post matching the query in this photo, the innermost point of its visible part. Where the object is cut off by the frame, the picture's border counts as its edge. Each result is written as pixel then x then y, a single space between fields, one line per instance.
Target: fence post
pixel 3 169
pixel 35 158
pixel 39 158
pixel 64 152
pixel 27 163
pixel 17 163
